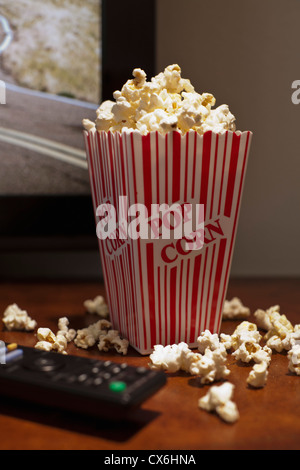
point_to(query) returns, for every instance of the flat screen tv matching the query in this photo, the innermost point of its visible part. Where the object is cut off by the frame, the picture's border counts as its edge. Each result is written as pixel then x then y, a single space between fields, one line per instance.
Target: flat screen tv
pixel 58 60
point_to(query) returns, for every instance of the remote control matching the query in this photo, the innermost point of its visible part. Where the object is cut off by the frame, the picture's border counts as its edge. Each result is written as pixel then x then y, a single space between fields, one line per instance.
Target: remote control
pixel 101 388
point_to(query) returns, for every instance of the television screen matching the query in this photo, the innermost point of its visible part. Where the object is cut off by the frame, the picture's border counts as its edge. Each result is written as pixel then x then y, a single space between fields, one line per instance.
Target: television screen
pixel 58 60
pixel 50 66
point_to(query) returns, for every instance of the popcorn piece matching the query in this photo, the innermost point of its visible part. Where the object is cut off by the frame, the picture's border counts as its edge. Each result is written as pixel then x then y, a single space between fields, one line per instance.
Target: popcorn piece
pixel 169 358
pixel 44 346
pixel 45 334
pixel 246 350
pixel 63 329
pixel 88 125
pixel 291 339
pixel 60 343
pixel 226 340
pixel 87 337
pixel 228 412
pixel 263 319
pixel 245 331
pixel 105 118
pixel 111 339
pixel 219 120
pixel 280 334
pixel 208 340
pixel 258 375
pixel 275 342
pixel 281 326
pixel 98 306
pixel 294 359
pixel 165 103
pixel 218 399
pixel 235 310
pixel 49 341
pixel 172 358
pixel 122 110
pixel 16 319
pixel 189 361
pixel 263 355
pixel 100 331
pixel 191 113
pixel 211 366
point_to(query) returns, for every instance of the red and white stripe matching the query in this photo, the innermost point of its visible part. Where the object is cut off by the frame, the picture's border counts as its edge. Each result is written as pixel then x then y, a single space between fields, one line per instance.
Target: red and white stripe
pixel 153 302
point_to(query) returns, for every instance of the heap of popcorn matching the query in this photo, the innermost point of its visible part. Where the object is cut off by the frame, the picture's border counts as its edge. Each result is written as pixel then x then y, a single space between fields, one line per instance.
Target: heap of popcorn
pixel 208 363
pixel 167 102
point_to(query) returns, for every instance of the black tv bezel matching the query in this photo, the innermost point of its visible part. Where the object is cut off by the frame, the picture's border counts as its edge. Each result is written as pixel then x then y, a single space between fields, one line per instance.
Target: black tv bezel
pixel 66 222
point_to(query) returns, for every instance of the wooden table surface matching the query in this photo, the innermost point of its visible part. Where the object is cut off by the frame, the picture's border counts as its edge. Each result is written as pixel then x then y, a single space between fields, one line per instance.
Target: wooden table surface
pixel 171 419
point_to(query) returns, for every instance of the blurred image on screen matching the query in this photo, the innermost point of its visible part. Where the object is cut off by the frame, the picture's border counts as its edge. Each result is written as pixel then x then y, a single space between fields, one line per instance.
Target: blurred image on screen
pixel 50 64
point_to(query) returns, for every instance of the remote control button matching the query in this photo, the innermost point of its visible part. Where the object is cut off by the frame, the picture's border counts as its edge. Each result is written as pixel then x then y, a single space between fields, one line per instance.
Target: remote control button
pixel 141 370
pixel 88 382
pixel 105 375
pixel 96 370
pixel 44 364
pixel 124 365
pixel 82 378
pixel 116 370
pixel 98 381
pixel 70 379
pixel 117 386
pixel 13 355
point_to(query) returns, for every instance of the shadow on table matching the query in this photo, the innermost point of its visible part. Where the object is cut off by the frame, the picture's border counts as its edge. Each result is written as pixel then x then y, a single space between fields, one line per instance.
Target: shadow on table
pixel 114 430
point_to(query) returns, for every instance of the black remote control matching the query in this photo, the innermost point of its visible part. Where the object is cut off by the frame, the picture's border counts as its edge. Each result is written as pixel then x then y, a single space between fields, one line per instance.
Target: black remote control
pixel 101 388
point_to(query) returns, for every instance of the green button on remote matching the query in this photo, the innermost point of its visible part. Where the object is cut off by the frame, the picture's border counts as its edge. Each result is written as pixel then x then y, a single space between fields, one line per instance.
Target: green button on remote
pixel 117 386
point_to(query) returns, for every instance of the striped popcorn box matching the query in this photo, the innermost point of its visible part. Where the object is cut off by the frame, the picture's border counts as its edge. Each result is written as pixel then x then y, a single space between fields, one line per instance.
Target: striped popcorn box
pixel 159 291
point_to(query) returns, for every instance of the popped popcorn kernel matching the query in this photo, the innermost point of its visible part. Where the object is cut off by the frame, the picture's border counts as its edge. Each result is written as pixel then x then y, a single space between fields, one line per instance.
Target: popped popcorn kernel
pixel 219 399
pixel 294 359
pixel 211 366
pixel 292 338
pixel 226 340
pixel 234 310
pixel 168 358
pixel 258 375
pixel 88 125
pixel 63 329
pixel 208 340
pixel 172 358
pixel 14 318
pixel 262 317
pixel 102 334
pixel 45 334
pixel 48 341
pixel 44 346
pixel 262 355
pixel 281 326
pixel 167 102
pixel 246 350
pixel 87 337
pixel 111 339
pixel 245 331
pixel 280 332
pixel 105 117
pixel 275 342
pixel 97 306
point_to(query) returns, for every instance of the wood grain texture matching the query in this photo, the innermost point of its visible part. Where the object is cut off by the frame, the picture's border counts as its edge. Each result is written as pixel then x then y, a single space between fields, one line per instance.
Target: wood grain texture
pixel 269 417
